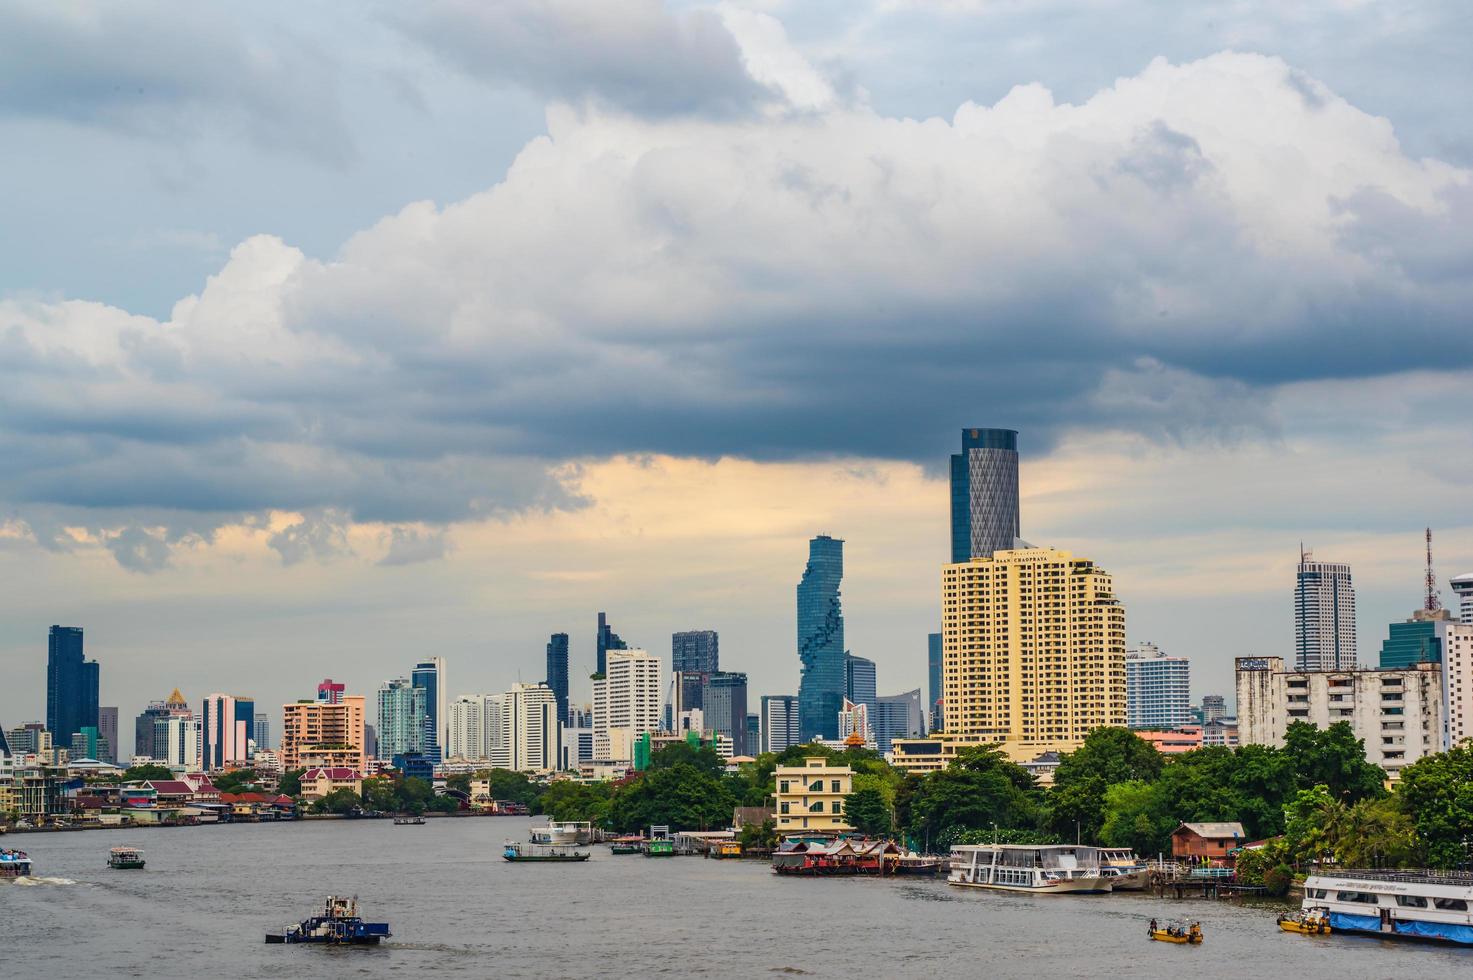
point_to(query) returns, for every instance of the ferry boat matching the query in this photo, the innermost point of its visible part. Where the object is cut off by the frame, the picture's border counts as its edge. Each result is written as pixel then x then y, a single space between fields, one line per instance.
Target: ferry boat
pixel 1126 871
pixel 1401 904
pixel 659 848
pixel 409 820
pixel 725 849
pixel 911 863
pixel 513 851
pixel 125 858
pixel 563 832
pixel 1046 869
pixel 14 864
pixel 338 925
pixel 625 845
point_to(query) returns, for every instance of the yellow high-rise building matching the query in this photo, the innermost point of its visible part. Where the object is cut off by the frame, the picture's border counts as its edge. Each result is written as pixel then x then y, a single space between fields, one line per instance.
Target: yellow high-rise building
pixel 1032 649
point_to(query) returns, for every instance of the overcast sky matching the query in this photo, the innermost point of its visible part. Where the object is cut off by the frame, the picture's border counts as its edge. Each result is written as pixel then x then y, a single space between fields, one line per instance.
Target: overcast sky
pixel 337 336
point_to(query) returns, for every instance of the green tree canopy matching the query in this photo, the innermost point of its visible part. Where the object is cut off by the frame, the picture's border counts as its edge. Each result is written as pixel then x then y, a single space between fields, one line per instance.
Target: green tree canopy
pixel 1333 758
pixel 682 753
pixel 290 783
pixel 1108 756
pixel 681 797
pixel 511 787
pixel 137 774
pixel 1137 816
pixel 1436 793
pixel 867 812
pixel 338 801
pixel 978 789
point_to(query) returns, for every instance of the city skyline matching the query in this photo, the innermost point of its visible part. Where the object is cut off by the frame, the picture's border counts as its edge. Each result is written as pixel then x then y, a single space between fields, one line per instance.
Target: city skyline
pixel 240 410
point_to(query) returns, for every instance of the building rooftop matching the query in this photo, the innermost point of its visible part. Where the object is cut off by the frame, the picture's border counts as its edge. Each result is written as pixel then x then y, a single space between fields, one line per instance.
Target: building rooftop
pixel 1217 829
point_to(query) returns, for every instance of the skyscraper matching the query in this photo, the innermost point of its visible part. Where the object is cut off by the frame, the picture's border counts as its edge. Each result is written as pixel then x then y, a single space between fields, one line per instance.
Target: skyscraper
pixel 984 494
pixel 401 718
pixel 823 684
pixel 429 676
pixel 1324 615
pixel 780 727
pixel 1463 589
pixel 71 685
pixel 1033 642
pixel 607 640
pixel 261 731
pixel 478 729
pixel 1214 708
pixel 557 672
pixel 531 729
pixel 694 654
pixel 725 707
pixel 225 730
pixel 145 727
pixel 859 682
pixel 325 733
pixel 626 703
pixel 933 677
pixel 897 716
pixel 107 727
pixel 329 692
pixel 1157 688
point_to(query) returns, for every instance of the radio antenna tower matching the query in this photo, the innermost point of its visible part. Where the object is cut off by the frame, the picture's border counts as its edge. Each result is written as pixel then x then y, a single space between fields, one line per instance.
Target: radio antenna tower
pixel 1433 601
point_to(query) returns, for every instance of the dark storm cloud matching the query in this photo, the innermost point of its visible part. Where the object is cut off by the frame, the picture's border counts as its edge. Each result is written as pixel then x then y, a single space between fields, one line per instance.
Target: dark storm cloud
pixel 1158 260
pixel 636 55
pixel 169 70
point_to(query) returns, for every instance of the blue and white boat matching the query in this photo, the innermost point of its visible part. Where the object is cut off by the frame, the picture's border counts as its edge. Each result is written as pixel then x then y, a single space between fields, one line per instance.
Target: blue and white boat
pixel 14 864
pixel 338 925
pixel 1399 904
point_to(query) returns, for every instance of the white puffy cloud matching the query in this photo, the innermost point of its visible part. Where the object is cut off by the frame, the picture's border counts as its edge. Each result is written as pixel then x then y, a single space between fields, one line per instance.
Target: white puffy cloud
pixel 820 281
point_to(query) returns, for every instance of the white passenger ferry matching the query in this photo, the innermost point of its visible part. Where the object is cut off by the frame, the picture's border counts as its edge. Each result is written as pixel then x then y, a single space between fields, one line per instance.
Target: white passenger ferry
pixel 1409 904
pixel 1126 871
pixel 1051 869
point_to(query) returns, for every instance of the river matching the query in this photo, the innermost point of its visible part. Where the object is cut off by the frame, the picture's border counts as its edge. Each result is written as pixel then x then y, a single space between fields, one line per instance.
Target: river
pixel 209 894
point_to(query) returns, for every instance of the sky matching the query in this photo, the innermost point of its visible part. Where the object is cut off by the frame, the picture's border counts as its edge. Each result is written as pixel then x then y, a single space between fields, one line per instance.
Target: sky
pixel 339 336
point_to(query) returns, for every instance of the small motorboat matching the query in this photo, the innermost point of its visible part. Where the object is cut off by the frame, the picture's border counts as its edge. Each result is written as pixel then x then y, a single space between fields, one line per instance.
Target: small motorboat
pixel 1184 933
pixel 338 925
pixel 14 864
pixel 624 847
pixel 1314 922
pixel 125 859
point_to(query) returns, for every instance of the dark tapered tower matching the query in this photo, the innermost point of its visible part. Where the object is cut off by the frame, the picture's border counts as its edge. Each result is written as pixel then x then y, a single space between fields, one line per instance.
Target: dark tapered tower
pixel 984 494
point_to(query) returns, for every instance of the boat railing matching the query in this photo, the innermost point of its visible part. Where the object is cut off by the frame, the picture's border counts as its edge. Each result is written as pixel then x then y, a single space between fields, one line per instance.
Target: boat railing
pixel 1460 879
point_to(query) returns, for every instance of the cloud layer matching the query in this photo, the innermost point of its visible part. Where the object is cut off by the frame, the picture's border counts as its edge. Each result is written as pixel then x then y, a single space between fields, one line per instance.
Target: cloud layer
pixel 758 269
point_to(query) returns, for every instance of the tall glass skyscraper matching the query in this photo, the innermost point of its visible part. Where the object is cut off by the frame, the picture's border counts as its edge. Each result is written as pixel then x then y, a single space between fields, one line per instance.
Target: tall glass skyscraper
pixel 821 640
pixel 402 718
pixel 933 678
pixel 607 640
pixel 429 676
pixel 695 655
pixel 1324 616
pixel 984 494
pixel 557 672
pixel 779 722
pixel 725 699
pixel 71 685
pixel 859 682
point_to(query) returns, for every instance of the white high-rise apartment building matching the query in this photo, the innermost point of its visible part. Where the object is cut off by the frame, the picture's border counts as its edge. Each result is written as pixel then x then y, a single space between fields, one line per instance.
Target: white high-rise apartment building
pixel 1324 616
pixel 1157 688
pixel 779 722
pixel 626 703
pixel 1463 589
pixel 477 730
pixel 531 731
pixel 1457 683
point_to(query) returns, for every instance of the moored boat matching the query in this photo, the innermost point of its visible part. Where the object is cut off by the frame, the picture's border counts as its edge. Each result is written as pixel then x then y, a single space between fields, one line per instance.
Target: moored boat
pixel 1045 869
pixel 409 820
pixel 659 848
pixel 1395 904
pixel 513 851
pixel 125 858
pixel 625 845
pixel 725 849
pixel 1126 871
pixel 338 925
pixel 911 863
pixel 14 864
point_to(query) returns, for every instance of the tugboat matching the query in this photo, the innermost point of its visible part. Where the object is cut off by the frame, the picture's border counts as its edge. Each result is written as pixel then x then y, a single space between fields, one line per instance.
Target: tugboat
pixel 513 851
pixel 14 864
pixel 1187 933
pixel 338 925
pixel 125 859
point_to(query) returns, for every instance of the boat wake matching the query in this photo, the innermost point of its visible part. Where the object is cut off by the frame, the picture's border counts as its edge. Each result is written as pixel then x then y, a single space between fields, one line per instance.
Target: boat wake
pixel 32 882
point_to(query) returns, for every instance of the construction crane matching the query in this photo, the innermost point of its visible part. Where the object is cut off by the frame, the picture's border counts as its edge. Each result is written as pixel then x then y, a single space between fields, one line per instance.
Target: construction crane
pixel 1433 600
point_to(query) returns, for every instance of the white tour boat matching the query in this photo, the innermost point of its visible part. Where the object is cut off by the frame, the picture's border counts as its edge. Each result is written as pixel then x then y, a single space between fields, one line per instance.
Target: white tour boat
pixel 1126 871
pixel 1047 869
pixel 1408 904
